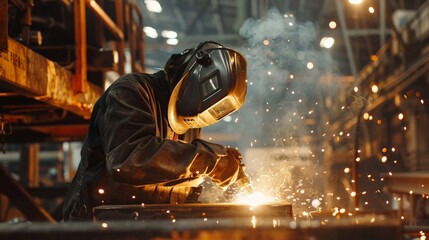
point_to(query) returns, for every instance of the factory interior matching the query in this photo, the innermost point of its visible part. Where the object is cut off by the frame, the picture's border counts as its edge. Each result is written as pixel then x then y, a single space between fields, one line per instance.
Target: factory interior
pixel 331 132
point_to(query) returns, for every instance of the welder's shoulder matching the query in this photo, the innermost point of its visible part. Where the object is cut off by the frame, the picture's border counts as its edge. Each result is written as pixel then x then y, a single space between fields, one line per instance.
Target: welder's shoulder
pixel 132 81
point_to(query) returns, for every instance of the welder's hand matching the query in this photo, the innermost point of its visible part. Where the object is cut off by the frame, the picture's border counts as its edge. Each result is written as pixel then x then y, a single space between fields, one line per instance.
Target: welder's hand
pixel 226 170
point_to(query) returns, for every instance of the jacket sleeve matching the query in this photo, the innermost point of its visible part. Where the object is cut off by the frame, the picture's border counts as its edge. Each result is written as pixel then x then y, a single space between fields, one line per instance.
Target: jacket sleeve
pixel 136 156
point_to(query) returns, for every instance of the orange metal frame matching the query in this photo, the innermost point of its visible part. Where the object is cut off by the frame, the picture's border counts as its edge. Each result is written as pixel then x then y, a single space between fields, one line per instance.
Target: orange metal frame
pixel 80 78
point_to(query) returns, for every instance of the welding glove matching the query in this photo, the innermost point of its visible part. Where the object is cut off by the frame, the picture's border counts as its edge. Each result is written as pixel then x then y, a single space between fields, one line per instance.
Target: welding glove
pixel 227 169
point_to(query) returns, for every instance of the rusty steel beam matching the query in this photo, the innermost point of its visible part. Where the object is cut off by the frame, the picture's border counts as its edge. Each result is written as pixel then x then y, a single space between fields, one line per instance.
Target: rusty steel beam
pixel 26 22
pixel 108 22
pixel 80 78
pixel 29 165
pixel 32 75
pixel 22 199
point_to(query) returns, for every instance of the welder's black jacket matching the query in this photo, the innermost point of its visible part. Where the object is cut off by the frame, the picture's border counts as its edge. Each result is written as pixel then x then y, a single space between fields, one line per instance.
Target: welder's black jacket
pixel 127 157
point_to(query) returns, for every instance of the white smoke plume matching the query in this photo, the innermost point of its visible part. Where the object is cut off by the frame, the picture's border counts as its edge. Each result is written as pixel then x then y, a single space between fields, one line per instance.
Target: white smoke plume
pixel 284 103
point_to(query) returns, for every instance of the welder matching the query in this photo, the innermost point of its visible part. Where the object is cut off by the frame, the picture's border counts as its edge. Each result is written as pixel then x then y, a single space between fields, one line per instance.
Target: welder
pixel 143 144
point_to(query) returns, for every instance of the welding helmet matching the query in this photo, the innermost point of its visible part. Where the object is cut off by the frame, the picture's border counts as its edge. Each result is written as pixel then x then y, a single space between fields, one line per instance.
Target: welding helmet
pixel 211 86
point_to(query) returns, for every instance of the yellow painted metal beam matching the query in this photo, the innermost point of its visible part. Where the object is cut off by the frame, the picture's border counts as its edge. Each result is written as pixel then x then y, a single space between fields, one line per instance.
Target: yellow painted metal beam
pixel 30 74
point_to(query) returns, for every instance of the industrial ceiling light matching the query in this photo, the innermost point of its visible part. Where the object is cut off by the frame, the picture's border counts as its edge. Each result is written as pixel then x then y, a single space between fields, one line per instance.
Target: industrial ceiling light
pixel 172 41
pixel 356 2
pixel 150 32
pixel 153 6
pixel 169 34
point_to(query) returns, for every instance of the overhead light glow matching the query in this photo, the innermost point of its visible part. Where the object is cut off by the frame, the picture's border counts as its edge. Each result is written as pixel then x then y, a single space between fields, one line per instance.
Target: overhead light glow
pixel 371 9
pixel 374 88
pixel 153 6
pixel 310 65
pixel 150 32
pixel 332 24
pixel 172 41
pixel 327 42
pixel 355 1
pixel 169 34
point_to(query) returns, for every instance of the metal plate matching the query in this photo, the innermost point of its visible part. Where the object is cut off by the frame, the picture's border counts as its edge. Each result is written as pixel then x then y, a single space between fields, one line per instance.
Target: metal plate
pixel 186 211
pixel 353 228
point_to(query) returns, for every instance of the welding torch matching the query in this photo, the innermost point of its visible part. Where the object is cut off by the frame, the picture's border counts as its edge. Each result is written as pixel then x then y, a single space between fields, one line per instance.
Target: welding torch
pixel 243 181
pixel 242 185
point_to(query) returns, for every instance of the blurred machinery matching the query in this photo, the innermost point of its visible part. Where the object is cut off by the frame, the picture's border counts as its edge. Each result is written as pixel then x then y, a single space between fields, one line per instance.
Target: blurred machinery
pixel 380 145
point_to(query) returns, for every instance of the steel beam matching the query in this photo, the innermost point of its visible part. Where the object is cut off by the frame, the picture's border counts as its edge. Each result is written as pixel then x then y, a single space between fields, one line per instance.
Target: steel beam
pixel 108 22
pixel 410 184
pixel 30 165
pixel 355 32
pixel 201 11
pixel 407 183
pixel 34 76
pixel 344 29
pixel 401 81
pixel 80 79
pixel 21 198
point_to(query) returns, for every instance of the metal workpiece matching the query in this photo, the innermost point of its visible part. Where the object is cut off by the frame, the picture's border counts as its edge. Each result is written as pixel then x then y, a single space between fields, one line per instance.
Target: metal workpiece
pixel 353 228
pixel 203 211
